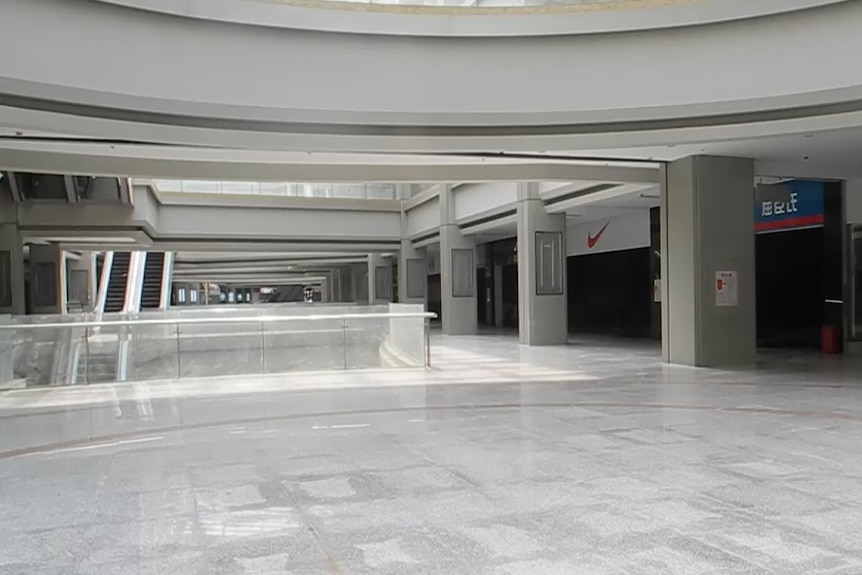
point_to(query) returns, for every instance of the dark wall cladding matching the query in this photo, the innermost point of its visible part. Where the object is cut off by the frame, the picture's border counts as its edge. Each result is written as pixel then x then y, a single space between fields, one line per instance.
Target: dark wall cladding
pixel 435 302
pixel 789 270
pixel 611 293
pixel 797 272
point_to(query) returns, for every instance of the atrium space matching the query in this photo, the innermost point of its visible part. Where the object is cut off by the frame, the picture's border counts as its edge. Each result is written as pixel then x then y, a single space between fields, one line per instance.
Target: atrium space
pixel 430 287
pixel 594 457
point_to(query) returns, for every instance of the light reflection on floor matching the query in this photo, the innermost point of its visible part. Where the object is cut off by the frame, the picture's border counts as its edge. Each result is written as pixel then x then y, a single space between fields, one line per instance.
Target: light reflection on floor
pixel 593 458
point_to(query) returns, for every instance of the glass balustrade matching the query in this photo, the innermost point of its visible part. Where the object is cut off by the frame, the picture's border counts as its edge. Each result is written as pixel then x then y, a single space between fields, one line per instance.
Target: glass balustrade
pixel 69 350
pixel 282 189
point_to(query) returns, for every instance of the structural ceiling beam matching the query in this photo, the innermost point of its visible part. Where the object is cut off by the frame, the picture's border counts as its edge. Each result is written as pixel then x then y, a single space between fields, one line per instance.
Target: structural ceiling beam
pixel 166 162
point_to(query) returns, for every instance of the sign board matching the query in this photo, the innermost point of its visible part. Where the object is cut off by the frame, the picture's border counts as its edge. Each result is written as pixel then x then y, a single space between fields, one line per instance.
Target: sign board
pixel 726 289
pixel 791 205
pixel 549 263
pixel 623 232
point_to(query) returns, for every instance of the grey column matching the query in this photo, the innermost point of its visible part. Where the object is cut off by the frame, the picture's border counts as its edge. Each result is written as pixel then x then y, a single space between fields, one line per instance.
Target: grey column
pixel 47 279
pixel 412 270
pixel 347 284
pixel 498 296
pixel 359 281
pixel 12 299
pixel 542 304
pixel 82 281
pixel 707 262
pixel 337 288
pixel 325 289
pixel 379 279
pixel 457 272
pixel 373 262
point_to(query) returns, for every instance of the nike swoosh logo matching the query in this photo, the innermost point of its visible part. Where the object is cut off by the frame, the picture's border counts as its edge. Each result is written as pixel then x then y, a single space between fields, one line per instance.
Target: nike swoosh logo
pixel 592 240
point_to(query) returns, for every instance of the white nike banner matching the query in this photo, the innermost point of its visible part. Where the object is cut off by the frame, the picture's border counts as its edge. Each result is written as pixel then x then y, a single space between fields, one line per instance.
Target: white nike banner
pixel 625 232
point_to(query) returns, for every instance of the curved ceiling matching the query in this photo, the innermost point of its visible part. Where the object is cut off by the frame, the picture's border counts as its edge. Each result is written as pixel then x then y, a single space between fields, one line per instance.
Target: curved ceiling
pixel 549 18
pixel 109 73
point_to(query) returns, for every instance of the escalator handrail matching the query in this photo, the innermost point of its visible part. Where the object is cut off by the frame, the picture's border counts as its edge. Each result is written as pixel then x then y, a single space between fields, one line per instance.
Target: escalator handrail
pixel 104 281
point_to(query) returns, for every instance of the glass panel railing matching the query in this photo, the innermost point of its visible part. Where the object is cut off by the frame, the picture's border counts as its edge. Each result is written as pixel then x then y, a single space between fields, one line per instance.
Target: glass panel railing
pixel 100 358
pixel 364 339
pixel 358 191
pixel 225 348
pixel 188 343
pixel 304 344
pixel 153 352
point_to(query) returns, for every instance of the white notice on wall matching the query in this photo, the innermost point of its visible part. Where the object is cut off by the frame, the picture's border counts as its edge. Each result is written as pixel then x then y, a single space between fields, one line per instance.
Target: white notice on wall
pixel 726 290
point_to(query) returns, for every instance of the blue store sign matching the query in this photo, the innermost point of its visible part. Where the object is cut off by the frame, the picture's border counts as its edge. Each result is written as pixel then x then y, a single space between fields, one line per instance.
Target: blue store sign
pixel 792 205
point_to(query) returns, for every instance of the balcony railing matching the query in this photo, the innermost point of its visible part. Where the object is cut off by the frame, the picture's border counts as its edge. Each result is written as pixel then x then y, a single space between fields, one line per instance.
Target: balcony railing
pixel 358 191
pixel 68 350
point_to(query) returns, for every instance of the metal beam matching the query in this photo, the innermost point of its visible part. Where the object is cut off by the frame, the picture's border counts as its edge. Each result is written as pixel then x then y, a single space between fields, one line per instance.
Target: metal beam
pixel 17 196
pixel 595 196
pixel 124 190
pixel 69 184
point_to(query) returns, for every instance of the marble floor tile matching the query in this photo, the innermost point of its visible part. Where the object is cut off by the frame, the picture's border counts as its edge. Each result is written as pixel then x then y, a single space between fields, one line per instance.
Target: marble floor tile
pixel 506 460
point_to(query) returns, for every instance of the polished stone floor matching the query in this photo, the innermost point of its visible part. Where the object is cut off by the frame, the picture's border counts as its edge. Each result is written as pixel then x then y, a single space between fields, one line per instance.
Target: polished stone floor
pixel 587 459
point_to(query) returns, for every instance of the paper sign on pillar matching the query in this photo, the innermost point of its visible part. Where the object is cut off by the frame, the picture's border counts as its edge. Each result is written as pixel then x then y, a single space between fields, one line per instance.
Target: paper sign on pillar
pixel 726 289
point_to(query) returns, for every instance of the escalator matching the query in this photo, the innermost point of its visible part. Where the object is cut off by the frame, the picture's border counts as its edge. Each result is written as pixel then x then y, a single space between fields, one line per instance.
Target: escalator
pixel 151 291
pixel 290 293
pixel 116 294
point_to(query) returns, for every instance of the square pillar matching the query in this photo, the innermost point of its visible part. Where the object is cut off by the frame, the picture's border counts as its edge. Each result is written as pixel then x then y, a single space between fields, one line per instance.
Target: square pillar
pixel 412 270
pixel 457 272
pixel 47 279
pixel 359 282
pixel 542 303
pixel 341 279
pixel 346 295
pixel 655 272
pixel 498 296
pixel 707 262
pixel 82 284
pixel 12 292
pixel 379 280
pixel 326 289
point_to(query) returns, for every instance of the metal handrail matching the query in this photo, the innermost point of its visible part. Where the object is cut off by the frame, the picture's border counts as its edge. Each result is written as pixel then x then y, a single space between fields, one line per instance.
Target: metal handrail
pixel 217 320
pixel 104 279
